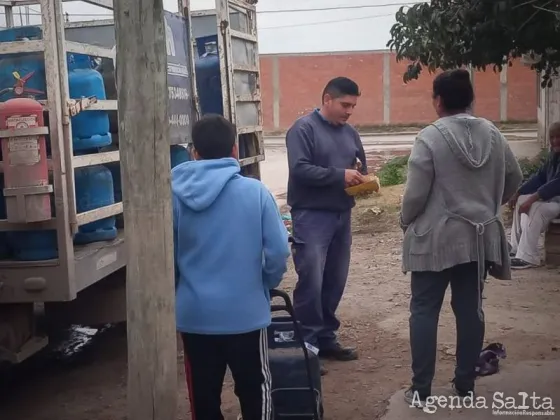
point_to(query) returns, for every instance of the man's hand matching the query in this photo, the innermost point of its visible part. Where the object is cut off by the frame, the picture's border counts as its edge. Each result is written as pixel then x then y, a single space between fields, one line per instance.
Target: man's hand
pixel 353 177
pixel 513 201
pixel 525 208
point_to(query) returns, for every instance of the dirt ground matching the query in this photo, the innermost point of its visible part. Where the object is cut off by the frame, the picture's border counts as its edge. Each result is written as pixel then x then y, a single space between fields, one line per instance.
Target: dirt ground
pixel 522 314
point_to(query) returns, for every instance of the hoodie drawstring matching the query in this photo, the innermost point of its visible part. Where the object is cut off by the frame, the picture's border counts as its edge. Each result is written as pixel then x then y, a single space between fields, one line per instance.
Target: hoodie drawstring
pixel 469 135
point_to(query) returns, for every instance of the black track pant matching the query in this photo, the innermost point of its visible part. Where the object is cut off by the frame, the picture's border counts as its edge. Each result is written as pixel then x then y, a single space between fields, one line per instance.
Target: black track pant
pixel 206 360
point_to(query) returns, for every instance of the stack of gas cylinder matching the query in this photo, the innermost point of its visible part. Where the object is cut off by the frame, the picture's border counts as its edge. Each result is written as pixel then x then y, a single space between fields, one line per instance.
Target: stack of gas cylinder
pixel 178 153
pixel 95 186
pixel 209 84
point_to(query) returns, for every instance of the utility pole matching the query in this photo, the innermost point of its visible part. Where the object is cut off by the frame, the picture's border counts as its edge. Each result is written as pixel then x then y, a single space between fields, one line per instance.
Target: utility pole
pixel 141 68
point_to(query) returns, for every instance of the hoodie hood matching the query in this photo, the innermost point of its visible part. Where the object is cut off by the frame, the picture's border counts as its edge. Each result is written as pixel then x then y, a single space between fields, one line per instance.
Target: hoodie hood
pixel 469 138
pixel 198 183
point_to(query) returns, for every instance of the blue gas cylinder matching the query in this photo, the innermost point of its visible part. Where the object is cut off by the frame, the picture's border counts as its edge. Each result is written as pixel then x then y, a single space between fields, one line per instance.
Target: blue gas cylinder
pixel 179 154
pixel 94 189
pixel 90 129
pixel 27 68
pixel 115 169
pixel 20 33
pixel 208 81
pixel 34 245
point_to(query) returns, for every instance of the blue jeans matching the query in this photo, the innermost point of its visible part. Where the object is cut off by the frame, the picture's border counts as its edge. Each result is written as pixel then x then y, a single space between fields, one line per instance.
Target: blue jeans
pixel 321 253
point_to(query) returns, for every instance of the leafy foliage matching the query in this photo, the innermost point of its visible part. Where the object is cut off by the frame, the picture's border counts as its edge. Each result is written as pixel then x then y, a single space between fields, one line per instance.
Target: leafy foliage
pixel 530 166
pixel 447 34
pixel 393 172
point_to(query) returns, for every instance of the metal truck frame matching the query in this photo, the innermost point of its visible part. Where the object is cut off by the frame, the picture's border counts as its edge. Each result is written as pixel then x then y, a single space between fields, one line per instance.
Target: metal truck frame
pixel 86 283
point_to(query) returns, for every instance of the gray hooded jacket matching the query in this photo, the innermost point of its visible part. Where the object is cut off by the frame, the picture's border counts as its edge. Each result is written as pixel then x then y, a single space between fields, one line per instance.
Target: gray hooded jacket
pixel 461 171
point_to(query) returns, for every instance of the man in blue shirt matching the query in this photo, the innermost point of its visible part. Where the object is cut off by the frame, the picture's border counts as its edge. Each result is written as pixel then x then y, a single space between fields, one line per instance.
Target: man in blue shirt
pixel 231 248
pixel 535 205
pixel 322 154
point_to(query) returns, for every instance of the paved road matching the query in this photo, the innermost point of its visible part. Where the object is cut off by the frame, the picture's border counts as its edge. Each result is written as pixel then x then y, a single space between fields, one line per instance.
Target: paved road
pixel 401 139
pixel 274 169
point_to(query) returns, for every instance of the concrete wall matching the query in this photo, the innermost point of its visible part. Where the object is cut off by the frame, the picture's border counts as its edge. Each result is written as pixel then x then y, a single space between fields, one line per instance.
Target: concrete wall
pixel 548 110
pixel 291 86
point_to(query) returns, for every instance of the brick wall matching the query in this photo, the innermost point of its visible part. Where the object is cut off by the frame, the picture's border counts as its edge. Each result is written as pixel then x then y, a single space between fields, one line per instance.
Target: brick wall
pixel 292 86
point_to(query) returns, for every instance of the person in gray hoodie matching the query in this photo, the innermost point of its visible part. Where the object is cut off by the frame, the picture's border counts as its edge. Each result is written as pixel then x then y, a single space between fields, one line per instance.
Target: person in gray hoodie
pixel 460 172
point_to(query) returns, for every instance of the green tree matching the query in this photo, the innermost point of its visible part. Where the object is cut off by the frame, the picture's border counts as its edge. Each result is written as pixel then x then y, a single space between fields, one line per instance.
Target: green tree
pixel 449 34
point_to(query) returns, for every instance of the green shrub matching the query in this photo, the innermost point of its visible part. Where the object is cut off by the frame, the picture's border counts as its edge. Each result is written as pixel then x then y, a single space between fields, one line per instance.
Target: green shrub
pixel 393 172
pixel 530 166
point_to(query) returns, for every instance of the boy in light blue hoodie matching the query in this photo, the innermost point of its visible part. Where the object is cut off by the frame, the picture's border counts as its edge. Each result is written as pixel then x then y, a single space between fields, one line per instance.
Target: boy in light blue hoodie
pixel 231 248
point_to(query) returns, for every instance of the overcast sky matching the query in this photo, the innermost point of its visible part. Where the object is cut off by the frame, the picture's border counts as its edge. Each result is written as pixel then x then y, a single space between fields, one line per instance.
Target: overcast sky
pixel 333 25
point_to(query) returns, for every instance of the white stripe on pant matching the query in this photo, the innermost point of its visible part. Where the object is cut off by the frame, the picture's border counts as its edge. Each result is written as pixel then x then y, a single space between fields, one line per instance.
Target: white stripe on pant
pixel 207 358
pixel 267 383
pixel 527 229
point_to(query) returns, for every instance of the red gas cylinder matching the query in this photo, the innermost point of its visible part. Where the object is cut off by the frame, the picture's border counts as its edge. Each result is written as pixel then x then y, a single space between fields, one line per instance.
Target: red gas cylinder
pixel 24 153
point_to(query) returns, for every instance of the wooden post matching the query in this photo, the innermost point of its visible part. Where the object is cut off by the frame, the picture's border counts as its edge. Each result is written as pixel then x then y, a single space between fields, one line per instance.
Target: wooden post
pixel 145 169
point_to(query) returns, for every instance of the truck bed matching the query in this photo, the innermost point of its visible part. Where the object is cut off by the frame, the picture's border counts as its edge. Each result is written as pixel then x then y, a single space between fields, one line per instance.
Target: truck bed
pixel 97 260
pixel 49 281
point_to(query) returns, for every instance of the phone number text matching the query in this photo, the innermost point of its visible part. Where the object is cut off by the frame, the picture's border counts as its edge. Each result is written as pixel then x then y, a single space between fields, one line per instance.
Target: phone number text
pixel 178 93
pixel 179 120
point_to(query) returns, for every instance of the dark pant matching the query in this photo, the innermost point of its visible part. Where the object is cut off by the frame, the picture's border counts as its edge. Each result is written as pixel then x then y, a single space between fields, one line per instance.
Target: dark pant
pixel 206 360
pixel 321 253
pixel 428 292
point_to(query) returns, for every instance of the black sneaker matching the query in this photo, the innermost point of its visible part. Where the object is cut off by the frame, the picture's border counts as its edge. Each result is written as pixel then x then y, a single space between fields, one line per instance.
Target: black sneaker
pixel 519 264
pixel 338 352
pixel 414 399
pixel 462 392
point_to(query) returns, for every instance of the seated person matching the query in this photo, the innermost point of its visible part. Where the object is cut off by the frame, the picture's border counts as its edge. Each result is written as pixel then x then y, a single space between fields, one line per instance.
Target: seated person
pixel 536 204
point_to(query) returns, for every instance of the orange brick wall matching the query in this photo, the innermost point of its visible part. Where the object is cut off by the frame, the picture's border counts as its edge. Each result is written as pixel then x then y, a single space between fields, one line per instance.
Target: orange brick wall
pixel 291 86
pixel 522 93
